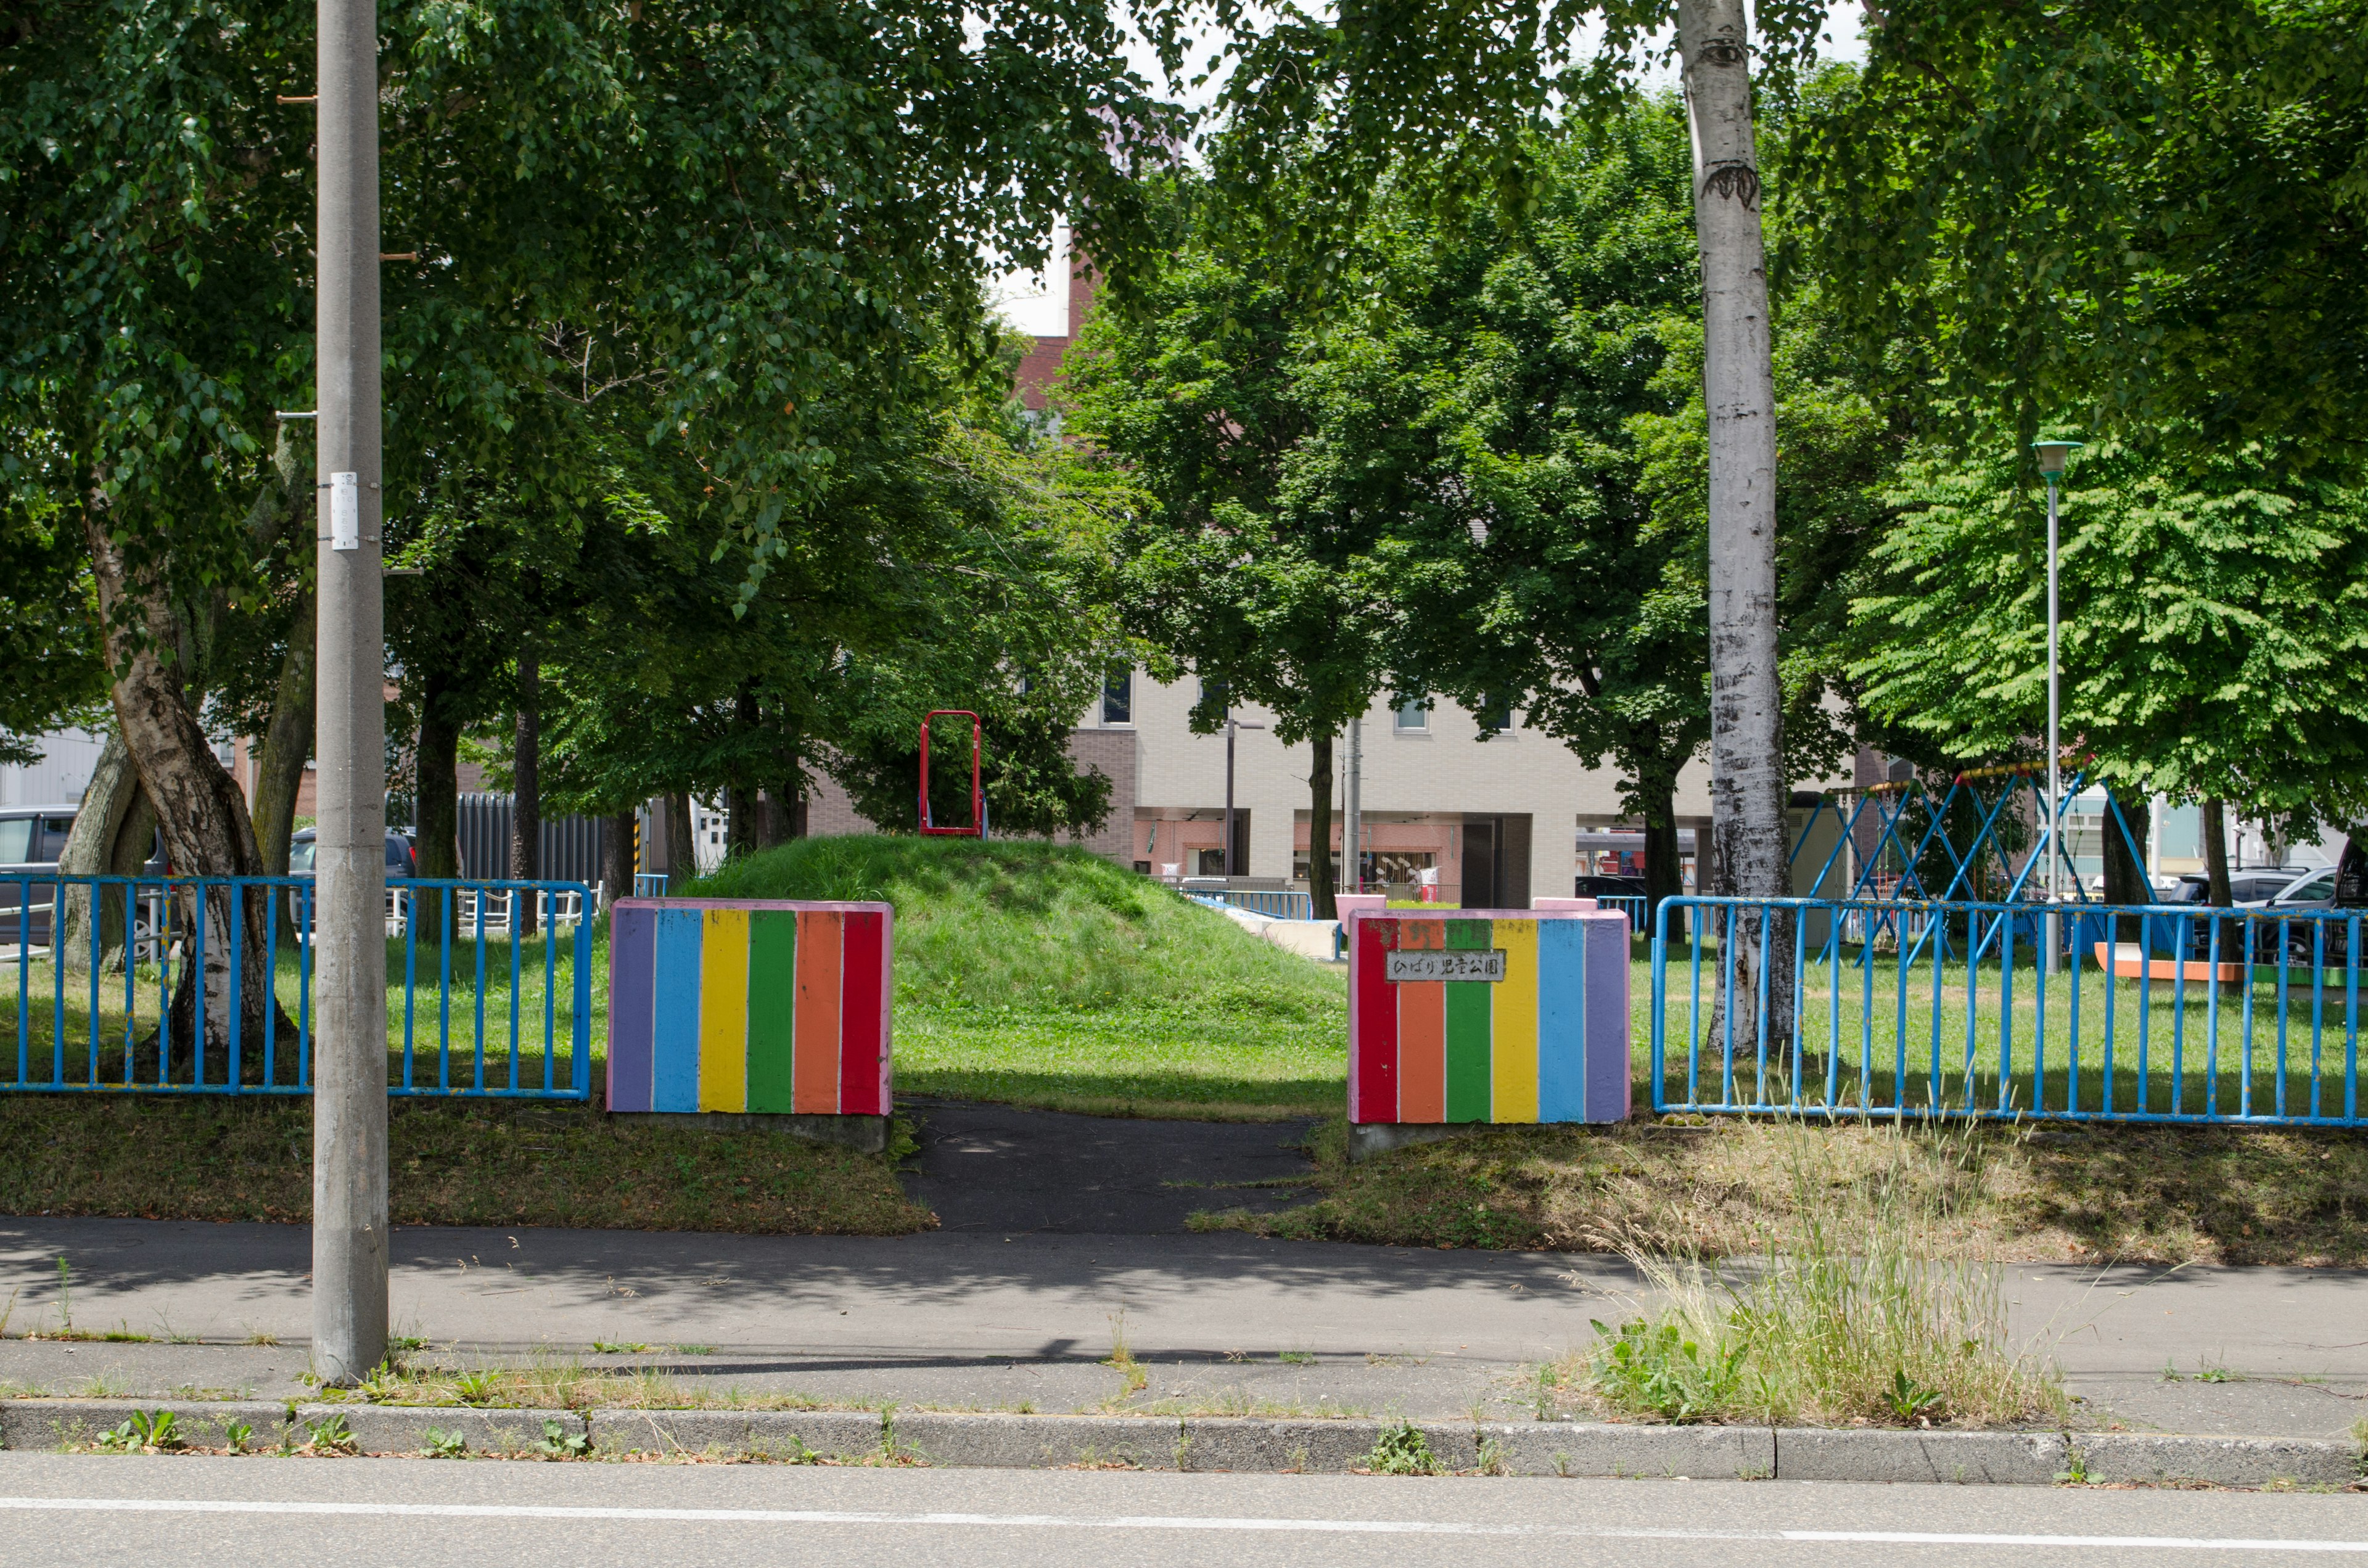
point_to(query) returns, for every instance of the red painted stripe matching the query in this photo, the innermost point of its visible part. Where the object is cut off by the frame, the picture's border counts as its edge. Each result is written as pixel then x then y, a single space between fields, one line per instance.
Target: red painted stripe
pixel 861 1043
pixel 1373 1056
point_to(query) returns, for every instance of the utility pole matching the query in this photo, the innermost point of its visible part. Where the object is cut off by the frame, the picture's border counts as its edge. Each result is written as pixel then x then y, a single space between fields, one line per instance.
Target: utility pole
pixel 1233 726
pixel 1352 818
pixel 349 1228
pixel 2052 456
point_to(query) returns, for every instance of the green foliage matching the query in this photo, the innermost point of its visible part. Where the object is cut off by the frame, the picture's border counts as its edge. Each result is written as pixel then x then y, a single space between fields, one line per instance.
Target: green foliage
pixel 48 618
pixel 2214 620
pixel 1656 1370
pixel 144 1431
pixel 2150 214
pixel 1402 1449
pixel 558 1443
pixel 440 1444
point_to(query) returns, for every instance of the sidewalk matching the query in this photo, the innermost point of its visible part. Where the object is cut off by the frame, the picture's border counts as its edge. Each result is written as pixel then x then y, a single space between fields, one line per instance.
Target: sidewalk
pixel 973 1319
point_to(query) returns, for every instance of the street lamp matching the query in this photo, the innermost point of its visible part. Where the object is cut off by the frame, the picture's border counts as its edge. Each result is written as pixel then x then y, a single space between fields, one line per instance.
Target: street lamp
pixel 2052 456
pixel 1233 726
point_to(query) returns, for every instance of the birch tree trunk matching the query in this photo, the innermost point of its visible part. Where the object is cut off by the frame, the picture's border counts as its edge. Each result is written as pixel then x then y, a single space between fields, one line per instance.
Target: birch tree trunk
pixel 1748 783
pixel 112 836
pixel 200 813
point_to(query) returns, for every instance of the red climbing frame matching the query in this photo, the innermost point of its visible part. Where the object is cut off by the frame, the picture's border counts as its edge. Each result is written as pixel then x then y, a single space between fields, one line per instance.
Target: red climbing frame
pixel 977 800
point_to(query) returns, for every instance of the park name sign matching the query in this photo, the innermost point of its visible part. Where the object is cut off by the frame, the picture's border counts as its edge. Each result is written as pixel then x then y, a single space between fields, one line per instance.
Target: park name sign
pixel 1485 1016
pixel 753 1010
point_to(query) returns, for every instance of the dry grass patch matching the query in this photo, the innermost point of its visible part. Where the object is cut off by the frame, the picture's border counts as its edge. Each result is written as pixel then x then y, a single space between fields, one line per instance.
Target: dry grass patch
pixel 2087 1194
pixel 453 1163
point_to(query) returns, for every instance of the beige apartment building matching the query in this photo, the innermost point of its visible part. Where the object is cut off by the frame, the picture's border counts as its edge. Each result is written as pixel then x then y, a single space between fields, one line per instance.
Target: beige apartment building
pixel 1494 822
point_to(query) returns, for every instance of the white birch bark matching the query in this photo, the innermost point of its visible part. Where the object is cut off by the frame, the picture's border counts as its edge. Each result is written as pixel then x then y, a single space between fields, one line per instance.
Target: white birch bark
pixel 1747 784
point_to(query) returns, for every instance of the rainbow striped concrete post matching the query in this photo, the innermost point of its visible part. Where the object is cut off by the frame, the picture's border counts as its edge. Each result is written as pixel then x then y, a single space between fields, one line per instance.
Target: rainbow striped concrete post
pixel 1485 1016
pixel 741 1008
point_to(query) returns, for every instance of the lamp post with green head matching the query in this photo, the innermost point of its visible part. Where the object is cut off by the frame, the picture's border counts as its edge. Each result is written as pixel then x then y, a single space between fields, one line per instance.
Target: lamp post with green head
pixel 2052 456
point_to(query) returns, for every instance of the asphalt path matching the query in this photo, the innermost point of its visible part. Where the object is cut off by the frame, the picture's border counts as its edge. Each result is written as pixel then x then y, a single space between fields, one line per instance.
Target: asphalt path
pixel 68 1509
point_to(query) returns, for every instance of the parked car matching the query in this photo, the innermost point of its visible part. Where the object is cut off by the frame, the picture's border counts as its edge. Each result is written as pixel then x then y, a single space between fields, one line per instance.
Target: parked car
pixel 31 840
pixel 402 860
pixel 1608 887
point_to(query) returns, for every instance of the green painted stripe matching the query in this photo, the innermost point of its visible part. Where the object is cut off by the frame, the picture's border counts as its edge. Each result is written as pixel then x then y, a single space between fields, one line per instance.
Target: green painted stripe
pixel 1469 1020
pixel 772 1009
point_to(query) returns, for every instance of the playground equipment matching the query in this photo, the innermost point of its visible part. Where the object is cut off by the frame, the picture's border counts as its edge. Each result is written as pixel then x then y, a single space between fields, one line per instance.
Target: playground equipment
pixel 977 828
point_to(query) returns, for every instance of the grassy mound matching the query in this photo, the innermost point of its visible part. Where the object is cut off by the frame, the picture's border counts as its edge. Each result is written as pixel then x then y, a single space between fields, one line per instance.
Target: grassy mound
pixel 1040 974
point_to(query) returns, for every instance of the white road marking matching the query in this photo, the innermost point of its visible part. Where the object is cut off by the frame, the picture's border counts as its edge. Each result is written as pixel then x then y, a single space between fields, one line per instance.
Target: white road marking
pixel 1142 1522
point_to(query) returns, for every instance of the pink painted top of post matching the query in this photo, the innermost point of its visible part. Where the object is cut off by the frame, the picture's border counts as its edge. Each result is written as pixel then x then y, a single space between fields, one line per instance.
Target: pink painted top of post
pixel 804 906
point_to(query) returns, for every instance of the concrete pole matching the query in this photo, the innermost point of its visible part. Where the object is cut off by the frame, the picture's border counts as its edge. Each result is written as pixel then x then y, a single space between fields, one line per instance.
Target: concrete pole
pixel 1353 819
pixel 349 1228
pixel 1230 728
pixel 2054 935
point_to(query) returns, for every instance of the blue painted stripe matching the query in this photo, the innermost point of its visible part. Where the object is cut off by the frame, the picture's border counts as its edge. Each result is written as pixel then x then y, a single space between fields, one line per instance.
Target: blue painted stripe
pixel 1561 1021
pixel 674 1075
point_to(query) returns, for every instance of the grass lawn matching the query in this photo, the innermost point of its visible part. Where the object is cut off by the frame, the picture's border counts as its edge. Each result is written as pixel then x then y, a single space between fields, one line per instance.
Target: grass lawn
pixel 1042 976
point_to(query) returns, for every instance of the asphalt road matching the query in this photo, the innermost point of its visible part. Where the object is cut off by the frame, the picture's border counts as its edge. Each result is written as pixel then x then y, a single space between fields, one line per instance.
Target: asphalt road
pixel 96 1509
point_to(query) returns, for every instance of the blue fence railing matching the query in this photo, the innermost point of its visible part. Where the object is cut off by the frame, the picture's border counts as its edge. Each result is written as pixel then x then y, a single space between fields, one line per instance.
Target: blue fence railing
pixel 1627 905
pixel 204 985
pixel 1280 905
pixel 2154 1013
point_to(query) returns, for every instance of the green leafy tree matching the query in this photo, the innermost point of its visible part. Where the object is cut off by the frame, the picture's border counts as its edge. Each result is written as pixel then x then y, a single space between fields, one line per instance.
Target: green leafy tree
pixel 1246 564
pixel 2212 617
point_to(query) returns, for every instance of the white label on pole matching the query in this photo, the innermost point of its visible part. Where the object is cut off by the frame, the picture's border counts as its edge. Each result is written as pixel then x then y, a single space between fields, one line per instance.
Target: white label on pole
pixel 345 511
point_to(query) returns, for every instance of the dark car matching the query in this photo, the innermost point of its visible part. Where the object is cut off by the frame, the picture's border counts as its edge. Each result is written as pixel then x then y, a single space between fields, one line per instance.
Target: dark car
pixel 402 861
pixel 31 839
pixel 1608 887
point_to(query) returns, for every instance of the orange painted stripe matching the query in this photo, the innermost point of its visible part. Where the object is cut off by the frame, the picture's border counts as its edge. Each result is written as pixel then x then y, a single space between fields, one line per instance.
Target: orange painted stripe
pixel 1422 1051
pixel 816 1072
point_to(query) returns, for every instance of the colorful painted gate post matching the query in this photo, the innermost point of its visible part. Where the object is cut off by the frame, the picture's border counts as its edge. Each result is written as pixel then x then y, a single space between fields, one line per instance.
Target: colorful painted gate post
pixel 1487 1016
pixel 749 1006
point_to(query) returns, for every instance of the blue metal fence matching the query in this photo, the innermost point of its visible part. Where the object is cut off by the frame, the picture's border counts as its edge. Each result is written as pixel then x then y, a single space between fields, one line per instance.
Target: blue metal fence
pixel 1280 905
pixel 1945 1010
pixel 114 1021
pixel 1627 905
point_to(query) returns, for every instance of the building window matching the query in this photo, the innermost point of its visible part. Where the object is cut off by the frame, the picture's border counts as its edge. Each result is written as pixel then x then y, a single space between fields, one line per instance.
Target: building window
pixel 1497 715
pixel 1414 714
pixel 1118 698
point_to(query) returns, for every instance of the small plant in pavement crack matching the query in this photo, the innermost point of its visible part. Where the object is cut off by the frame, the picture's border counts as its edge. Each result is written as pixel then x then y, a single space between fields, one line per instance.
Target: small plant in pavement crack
pixel 559 1443
pixel 1402 1449
pixel 443 1445
pixel 328 1435
pixel 237 1436
pixel 1910 1400
pixel 144 1431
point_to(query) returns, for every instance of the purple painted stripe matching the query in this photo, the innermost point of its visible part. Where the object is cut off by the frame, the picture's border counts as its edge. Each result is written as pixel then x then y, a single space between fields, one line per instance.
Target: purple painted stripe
pixel 632 956
pixel 1607 1017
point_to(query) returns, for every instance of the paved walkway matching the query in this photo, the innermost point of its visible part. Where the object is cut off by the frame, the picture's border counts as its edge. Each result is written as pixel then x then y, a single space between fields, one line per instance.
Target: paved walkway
pixel 1064 1237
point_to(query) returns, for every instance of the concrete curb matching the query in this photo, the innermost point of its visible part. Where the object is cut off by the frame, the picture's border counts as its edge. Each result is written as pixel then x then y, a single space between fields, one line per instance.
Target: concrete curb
pixel 1248 1444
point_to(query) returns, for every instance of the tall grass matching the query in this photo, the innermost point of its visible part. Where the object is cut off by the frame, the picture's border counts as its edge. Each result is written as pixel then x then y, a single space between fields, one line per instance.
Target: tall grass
pixel 1852 1312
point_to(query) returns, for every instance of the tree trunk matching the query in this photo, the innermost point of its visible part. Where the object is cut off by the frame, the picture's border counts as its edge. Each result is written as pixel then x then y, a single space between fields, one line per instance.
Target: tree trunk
pixel 682 852
pixel 280 762
pixel 1321 885
pixel 526 791
pixel 1747 784
pixel 203 820
pixel 113 834
pixel 437 811
pixel 2125 872
pixel 617 855
pixel 1664 876
pixel 2215 853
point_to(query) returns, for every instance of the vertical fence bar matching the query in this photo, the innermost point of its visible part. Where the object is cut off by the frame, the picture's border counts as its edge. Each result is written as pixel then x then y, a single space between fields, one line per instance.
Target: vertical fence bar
pixel 1694 1002
pixel 408 902
pixel 1657 1020
pixel 550 993
pixel 484 901
pixel 2112 987
pixel 1866 1020
pixel 511 904
pixel 2245 1093
pixel 2182 944
pixel 2317 1003
pixel 57 963
pixel 196 981
pixel 1726 946
pixel 2212 1020
pixel 304 991
pixel 580 1036
pixel 1760 1030
pixel 97 920
pixel 446 897
pixel 2352 1019
pixel 2285 971
pixel 2006 1014
pixel 24 979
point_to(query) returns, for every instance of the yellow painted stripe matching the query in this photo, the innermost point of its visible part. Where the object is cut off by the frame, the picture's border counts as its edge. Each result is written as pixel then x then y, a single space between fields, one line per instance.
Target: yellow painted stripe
pixel 1513 1065
pixel 723 1011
